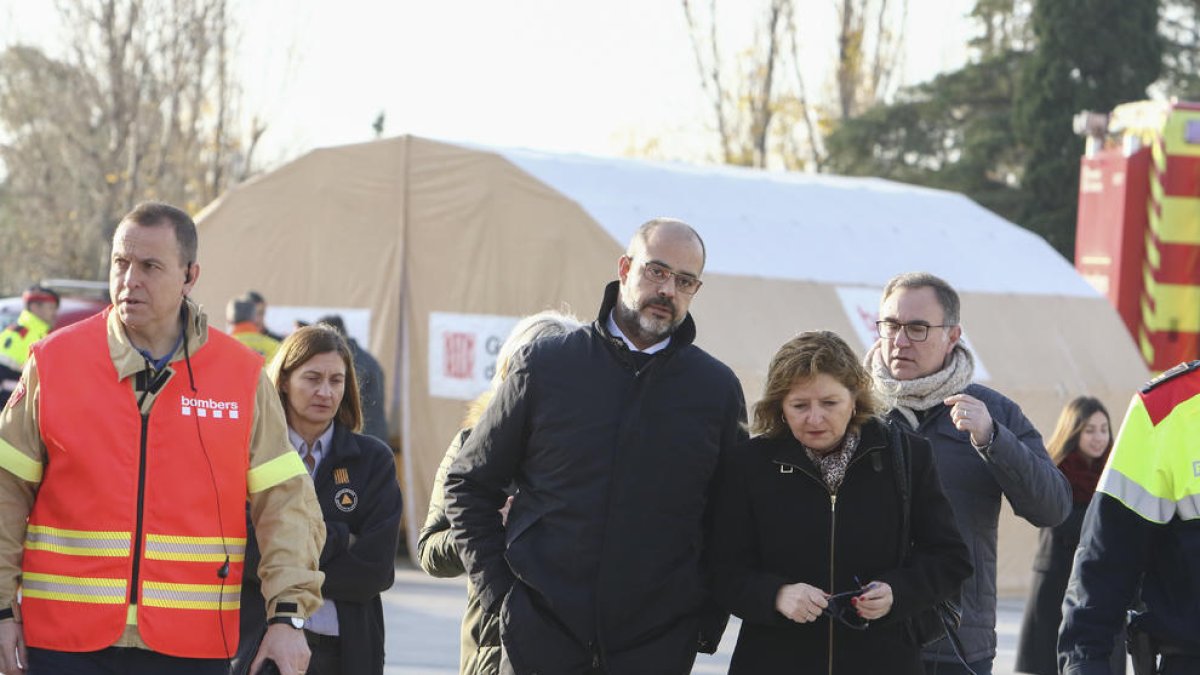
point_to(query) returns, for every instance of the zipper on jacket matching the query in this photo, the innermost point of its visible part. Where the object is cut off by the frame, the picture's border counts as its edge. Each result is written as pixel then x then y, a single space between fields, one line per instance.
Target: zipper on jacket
pixel 635 396
pixel 137 536
pixel 832 527
pixel 832 537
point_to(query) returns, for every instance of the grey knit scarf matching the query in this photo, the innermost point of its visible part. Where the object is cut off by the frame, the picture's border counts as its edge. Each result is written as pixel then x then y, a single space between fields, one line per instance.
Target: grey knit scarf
pixel 922 393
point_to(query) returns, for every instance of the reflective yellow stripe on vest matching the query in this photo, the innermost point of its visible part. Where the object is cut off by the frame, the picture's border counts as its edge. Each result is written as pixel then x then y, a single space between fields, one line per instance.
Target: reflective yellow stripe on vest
pixel 191 596
pixel 73 589
pixel 1155 470
pixel 19 464
pixel 77 542
pixel 272 473
pixel 194 549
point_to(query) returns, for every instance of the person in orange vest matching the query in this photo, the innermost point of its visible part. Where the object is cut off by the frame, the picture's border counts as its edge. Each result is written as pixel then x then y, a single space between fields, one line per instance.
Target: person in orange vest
pixel 129 450
pixel 33 324
pixel 239 316
pixel 260 314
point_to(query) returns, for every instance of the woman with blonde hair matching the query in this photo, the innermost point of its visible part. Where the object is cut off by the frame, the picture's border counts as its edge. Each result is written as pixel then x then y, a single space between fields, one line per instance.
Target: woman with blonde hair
pixel 810 549
pixel 436 551
pixel 1079 446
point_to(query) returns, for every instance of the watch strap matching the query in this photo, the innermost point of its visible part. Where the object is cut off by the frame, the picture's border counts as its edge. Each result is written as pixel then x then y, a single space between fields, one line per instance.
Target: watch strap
pixel 293 621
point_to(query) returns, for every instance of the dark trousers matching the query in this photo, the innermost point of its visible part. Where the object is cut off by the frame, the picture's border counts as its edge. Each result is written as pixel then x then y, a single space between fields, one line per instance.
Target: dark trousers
pixel 326 656
pixel 983 667
pixel 120 661
pixel 535 642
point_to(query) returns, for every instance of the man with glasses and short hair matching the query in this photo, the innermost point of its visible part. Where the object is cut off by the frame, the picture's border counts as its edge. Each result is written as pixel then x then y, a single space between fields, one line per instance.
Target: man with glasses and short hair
pixel 984 445
pixel 611 435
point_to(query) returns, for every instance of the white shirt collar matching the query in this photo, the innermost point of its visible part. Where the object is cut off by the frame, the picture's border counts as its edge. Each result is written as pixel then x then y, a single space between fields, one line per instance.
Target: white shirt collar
pixel 652 349
pixel 319 448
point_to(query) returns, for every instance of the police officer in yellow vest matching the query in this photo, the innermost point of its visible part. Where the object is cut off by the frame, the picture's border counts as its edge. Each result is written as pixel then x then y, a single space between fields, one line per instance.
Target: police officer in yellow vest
pixel 41 309
pixel 1143 527
pixel 240 315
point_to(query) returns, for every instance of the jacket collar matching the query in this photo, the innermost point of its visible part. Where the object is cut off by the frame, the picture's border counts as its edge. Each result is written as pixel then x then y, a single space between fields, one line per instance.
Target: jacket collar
pixel 244 327
pixel 684 335
pixel 129 361
pixel 787 450
pixel 343 447
pixel 344 444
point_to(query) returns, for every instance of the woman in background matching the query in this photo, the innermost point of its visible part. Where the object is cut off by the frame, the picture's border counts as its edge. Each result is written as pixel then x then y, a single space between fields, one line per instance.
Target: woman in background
pixel 1080 445
pixel 480 654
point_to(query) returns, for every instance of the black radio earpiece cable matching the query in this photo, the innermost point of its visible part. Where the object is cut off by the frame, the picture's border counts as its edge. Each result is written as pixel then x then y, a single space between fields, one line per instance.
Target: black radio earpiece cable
pixel 223 570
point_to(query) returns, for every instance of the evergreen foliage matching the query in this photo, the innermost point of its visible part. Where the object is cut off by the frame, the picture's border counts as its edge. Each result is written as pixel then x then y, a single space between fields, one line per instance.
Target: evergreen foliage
pixel 1090 55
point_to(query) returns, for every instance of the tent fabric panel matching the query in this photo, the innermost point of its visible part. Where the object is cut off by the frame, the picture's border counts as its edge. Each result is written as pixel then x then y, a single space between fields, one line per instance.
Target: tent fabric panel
pixel 486 238
pixel 323 230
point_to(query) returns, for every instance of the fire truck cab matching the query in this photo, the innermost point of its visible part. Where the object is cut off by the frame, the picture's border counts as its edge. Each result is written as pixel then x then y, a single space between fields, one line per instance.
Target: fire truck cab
pixel 1138 231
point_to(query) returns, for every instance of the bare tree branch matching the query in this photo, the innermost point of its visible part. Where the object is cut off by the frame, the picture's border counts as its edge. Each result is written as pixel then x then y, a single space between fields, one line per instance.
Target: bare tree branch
pixel 142 105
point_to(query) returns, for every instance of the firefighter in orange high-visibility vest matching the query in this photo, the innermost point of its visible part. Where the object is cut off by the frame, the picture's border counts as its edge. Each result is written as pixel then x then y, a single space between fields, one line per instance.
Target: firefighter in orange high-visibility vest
pixel 129 452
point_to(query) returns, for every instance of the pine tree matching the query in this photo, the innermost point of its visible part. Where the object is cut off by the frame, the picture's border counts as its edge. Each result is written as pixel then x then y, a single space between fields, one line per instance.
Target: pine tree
pixel 955 131
pixel 1090 55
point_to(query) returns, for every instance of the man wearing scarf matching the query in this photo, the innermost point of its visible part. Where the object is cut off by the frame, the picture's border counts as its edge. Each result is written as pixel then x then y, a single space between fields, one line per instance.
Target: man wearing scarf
pixel 984 445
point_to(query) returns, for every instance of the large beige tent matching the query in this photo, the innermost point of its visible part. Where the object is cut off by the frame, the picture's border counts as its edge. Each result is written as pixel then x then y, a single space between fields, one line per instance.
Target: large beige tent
pixel 434 249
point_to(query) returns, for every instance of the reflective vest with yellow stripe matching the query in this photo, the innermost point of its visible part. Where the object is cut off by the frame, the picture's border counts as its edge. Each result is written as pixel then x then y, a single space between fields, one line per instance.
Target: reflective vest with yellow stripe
pixel 263 344
pixel 128 522
pixel 1154 469
pixel 16 340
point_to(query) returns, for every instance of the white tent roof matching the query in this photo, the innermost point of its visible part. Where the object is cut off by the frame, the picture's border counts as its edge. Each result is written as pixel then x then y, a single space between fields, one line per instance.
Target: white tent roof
pixel 830 229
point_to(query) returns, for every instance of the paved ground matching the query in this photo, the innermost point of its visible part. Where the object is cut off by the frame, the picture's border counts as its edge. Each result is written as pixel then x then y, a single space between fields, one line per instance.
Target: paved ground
pixel 423 614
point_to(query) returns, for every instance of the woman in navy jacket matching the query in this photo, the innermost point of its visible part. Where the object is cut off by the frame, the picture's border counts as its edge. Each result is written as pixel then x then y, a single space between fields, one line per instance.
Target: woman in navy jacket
pixel 355 480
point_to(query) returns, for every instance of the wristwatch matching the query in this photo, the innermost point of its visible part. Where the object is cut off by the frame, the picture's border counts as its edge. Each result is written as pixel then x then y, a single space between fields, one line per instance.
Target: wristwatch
pixel 293 621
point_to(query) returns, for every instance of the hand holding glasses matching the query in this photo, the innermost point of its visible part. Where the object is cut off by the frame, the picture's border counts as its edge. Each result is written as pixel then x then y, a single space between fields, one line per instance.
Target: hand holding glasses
pixel 841 609
pixel 856 609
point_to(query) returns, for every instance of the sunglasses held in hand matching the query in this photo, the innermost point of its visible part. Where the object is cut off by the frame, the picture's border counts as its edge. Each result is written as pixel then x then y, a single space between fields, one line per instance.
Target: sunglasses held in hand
pixel 841 608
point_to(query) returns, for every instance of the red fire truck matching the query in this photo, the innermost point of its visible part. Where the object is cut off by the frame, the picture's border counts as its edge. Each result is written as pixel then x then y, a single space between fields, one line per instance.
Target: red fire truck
pixel 1138 236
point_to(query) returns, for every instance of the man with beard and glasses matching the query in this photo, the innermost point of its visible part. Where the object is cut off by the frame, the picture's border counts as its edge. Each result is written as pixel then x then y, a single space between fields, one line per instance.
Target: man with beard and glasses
pixel 611 435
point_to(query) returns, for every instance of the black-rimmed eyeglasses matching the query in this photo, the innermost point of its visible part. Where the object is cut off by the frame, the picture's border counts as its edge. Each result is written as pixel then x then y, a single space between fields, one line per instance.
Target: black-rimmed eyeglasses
pixel 917 332
pixel 684 283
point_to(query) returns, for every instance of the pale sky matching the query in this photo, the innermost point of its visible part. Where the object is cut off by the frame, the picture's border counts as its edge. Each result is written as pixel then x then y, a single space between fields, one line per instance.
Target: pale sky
pixel 589 76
